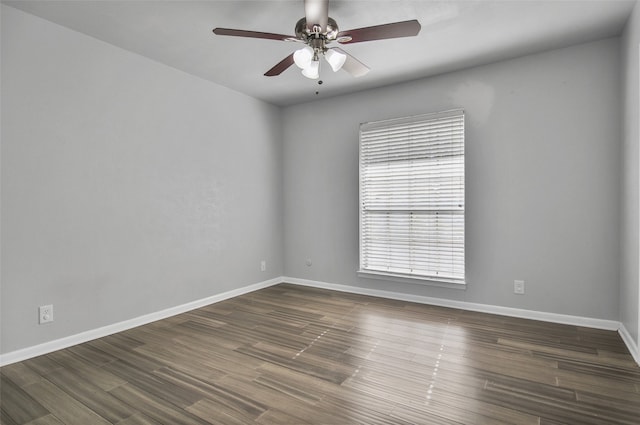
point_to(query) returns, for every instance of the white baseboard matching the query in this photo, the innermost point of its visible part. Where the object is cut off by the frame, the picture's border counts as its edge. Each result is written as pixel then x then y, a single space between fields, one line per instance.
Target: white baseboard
pixel 58 344
pixel 48 347
pixel 631 344
pixel 588 322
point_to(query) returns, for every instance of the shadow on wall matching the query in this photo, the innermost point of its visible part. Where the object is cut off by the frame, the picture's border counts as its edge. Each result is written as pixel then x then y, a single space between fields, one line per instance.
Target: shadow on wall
pixel 478 97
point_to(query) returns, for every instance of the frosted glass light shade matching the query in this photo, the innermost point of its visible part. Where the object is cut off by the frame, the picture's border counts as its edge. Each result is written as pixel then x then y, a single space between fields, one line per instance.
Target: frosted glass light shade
pixel 312 71
pixel 336 59
pixel 303 57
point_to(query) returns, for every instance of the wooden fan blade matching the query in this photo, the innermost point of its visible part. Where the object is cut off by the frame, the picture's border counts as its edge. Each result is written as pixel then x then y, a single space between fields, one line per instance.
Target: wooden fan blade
pixel 280 66
pixel 253 34
pixel 352 65
pixel 316 13
pixel 380 32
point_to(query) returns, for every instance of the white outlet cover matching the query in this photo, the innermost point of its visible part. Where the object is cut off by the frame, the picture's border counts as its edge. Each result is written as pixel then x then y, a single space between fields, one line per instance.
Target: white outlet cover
pixel 45 314
pixel 518 287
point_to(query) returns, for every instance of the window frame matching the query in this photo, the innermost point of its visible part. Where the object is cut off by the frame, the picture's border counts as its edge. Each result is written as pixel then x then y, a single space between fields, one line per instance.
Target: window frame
pixel 427 279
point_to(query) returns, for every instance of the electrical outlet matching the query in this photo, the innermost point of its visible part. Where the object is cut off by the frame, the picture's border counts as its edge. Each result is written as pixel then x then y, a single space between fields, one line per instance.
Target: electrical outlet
pixel 518 287
pixel 263 265
pixel 45 313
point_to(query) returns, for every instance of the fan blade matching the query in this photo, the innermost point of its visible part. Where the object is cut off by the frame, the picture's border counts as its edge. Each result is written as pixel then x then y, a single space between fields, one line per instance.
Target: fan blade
pixel 352 65
pixel 252 34
pixel 280 67
pixel 316 13
pixel 381 32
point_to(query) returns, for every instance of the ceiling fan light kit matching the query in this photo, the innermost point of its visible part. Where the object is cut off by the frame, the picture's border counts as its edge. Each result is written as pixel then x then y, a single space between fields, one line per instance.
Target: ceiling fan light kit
pixel 303 57
pixel 335 58
pixel 308 60
pixel 312 71
pixel 317 30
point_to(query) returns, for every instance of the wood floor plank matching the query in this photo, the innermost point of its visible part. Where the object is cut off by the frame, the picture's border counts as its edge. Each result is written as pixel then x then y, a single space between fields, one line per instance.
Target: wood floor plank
pixel 42 365
pixel 214 412
pixel 276 416
pixel 151 383
pixel 92 355
pixel 138 419
pixel 235 401
pixel 79 365
pixel 567 410
pixel 260 393
pixel 92 396
pixel 182 359
pixel 233 362
pixel 66 408
pixel 17 405
pixel 300 355
pixel 5 419
pixel 20 374
pixel 359 411
pixel 156 408
pixel 609 403
pixel 128 355
pixel 46 420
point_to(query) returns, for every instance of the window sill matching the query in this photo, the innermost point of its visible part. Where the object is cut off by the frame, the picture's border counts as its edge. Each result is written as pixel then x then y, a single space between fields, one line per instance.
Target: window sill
pixel 412 280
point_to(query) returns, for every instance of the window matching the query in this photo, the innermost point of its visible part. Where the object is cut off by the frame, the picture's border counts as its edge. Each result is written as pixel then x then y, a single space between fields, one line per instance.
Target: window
pixel 412 197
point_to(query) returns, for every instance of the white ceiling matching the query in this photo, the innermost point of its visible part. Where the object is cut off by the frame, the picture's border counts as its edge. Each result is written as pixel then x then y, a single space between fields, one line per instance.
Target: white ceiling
pixel 455 35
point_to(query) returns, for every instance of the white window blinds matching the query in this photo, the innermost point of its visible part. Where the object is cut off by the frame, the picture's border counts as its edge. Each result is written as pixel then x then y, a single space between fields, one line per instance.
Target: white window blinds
pixel 412 197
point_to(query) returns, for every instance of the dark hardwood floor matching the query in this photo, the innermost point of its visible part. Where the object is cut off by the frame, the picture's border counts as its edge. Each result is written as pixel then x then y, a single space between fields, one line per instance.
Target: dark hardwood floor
pixel 295 355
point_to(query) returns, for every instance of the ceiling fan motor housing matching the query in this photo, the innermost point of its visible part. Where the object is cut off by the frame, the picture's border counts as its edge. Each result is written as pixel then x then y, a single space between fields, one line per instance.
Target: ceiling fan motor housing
pixel 306 35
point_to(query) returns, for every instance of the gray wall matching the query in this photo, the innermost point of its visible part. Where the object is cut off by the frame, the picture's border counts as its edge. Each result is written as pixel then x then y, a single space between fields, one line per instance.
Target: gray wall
pixel 543 180
pixel 127 187
pixel 629 281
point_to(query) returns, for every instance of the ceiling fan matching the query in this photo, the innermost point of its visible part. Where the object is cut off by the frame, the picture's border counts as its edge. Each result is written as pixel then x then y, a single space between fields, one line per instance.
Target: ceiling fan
pixel 317 31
